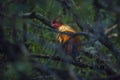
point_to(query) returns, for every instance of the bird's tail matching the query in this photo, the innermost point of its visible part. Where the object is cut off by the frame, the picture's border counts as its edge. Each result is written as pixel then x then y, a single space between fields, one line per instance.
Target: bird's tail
pixel 75 51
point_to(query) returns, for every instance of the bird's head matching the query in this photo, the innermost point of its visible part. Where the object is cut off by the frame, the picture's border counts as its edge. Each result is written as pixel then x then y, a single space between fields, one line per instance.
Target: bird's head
pixel 57 22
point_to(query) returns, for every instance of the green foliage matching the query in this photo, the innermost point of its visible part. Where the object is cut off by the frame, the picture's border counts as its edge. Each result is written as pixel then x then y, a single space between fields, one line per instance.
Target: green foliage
pixel 11 73
pixel 41 40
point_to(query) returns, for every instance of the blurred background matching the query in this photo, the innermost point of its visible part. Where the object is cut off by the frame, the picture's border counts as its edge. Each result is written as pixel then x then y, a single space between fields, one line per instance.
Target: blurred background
pixel 29 49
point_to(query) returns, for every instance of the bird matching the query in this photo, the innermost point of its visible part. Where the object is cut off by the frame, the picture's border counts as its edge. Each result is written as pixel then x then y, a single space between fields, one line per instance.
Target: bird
pixel 70 44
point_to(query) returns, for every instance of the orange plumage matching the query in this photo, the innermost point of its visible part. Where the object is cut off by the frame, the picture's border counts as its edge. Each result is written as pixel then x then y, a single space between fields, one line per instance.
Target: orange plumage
pixel 71 45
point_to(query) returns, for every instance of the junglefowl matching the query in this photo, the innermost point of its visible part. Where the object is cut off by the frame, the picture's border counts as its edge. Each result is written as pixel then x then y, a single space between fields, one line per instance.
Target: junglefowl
pixel 70 44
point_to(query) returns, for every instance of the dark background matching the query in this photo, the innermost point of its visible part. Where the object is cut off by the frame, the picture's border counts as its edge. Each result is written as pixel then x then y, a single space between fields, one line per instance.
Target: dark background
pixel 29 49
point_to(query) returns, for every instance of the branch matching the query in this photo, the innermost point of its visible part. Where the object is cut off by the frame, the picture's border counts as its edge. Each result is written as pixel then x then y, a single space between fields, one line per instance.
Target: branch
pixel 37 16
pixel 97 7
pixel 79 64
pixel 100 35
pixel 57 73
pixel 113 35
pixel 110 6
pixel 105 41
pixel 48 23
pixel 112 77
pixel 106 67
pixel 110 29
pixel 64 74
pixel 109 70
pixel 66 33
pixel 102 38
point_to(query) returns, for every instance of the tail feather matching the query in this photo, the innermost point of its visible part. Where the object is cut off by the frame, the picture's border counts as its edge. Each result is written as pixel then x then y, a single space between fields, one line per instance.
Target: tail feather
pixel 74 52
pixel 72 48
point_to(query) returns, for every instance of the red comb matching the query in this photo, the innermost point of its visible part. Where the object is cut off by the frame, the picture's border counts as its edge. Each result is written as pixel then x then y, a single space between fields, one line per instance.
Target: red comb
pixel 57 22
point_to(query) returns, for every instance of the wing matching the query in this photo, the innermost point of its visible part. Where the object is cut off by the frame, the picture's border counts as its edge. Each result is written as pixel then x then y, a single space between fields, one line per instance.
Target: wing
pixel 70 45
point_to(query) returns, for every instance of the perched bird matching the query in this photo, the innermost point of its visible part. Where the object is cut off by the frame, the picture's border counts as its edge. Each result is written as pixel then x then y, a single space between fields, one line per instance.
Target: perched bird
pixel 70 44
